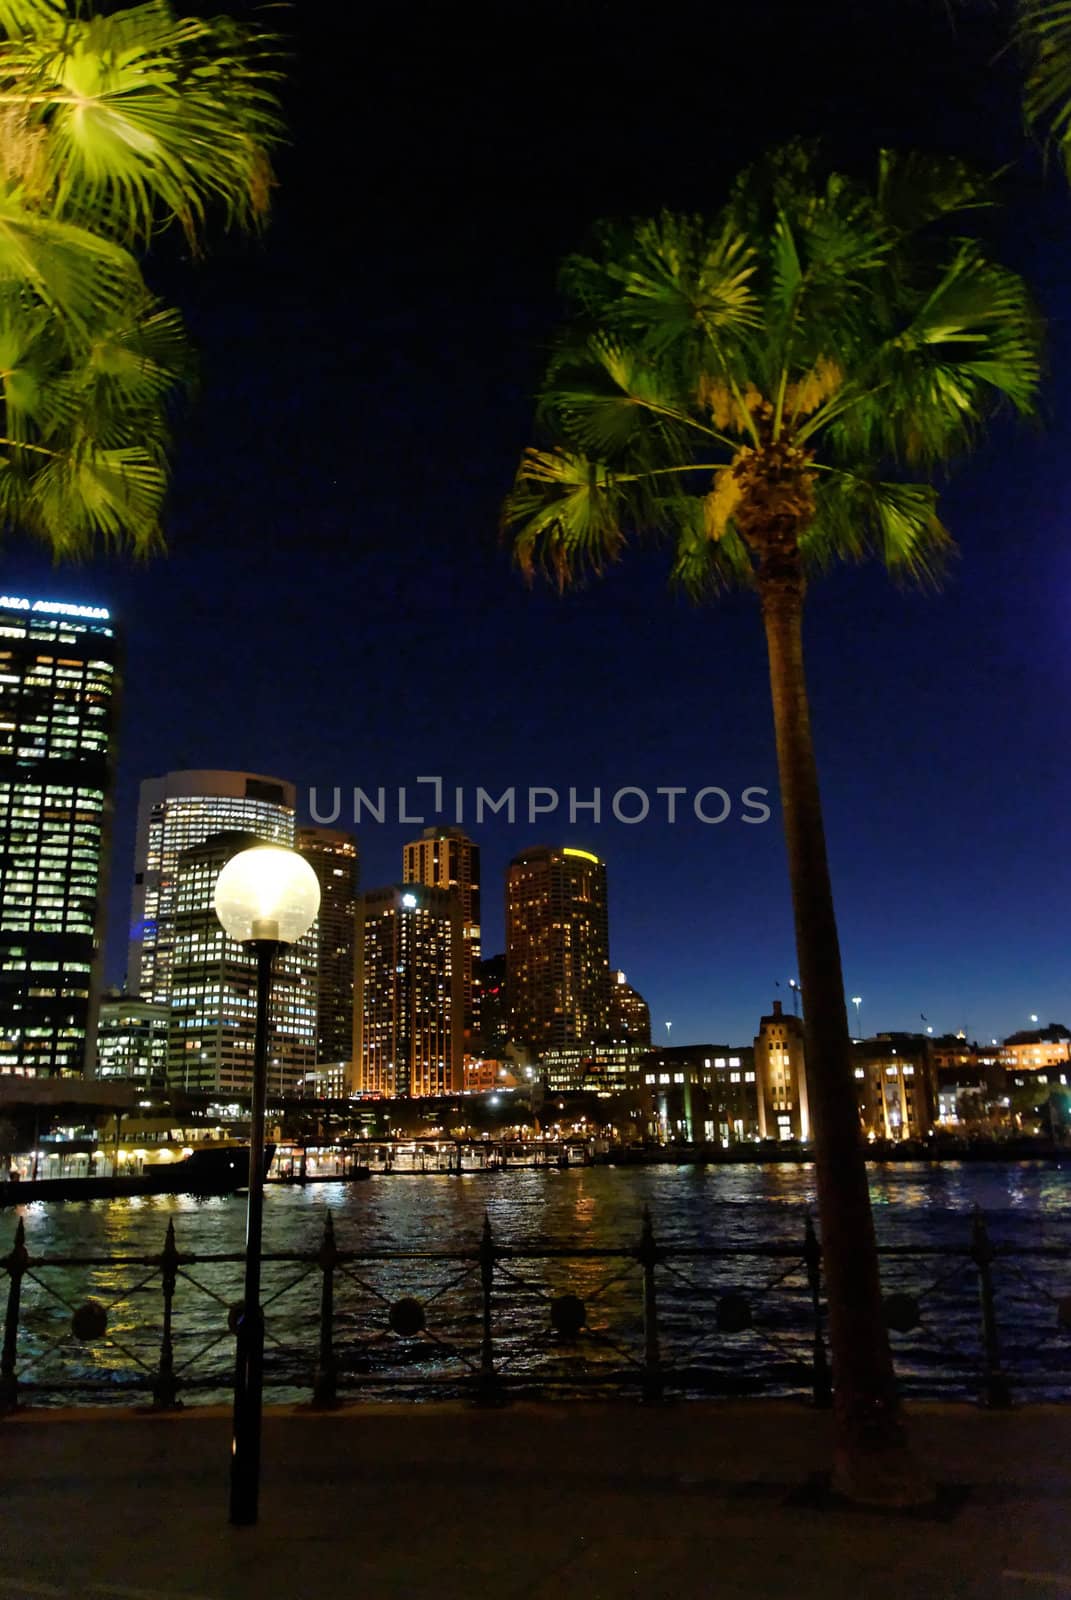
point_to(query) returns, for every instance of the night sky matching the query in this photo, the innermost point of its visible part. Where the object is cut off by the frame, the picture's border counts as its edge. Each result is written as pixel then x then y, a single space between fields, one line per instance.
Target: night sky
pixel 336 607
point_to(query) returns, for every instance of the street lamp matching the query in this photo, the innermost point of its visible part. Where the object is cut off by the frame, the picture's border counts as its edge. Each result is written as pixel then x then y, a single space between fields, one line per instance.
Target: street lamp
pixel 857 1001
pixel 266 898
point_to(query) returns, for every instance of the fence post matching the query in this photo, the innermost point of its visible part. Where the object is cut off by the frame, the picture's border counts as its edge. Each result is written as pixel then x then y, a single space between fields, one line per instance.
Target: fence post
pixel 996 1391
pixel 649 1255
pixel 165 1389
pixel 488 1391
pixel 821 1380
pixel 325 1383
pixel 16 1264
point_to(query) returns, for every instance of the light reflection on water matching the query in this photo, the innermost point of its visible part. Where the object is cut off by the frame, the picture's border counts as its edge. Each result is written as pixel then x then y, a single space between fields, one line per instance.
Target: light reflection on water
pixel 1024 1204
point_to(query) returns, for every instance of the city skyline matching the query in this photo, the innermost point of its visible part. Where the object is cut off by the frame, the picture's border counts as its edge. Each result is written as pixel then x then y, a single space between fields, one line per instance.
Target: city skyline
pixel 940 721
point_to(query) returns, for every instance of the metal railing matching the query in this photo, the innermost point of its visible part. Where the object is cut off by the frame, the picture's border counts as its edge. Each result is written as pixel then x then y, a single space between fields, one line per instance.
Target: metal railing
pixel 494 1321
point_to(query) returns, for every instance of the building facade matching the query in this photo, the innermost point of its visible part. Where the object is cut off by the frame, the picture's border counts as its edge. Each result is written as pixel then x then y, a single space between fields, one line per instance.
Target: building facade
pixel 897 1086
pixel 446 858
pixel 630 1016
pixel 213 982
pixel 176 813
pixel 333 857
pixel 59 695
pixel 781 1077
pixel 1037 1050
pixel 607 1066
pixel 132 1040
pixel 703 1093
pixel 409 1012
pixel 494 1033
pixel 557 947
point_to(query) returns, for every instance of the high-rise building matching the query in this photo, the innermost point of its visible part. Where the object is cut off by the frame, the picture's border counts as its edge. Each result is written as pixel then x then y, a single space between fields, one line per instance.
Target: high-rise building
pixel 492 1006
pixel 630 1016
pixel 409 1016
pixel 781 1077
pixel 213 989
pixel 446 858
pixel 132 1040
pixel 557 947
pixel 333 857
pixel 59 691
pixel 176 812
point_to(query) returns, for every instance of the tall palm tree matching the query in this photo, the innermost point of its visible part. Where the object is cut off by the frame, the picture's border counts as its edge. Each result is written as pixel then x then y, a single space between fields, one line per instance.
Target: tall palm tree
pixel 770 389
pixel 112 128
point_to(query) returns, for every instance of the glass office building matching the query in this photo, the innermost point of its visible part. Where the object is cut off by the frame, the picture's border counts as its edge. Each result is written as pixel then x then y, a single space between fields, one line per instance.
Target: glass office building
pixel 59 693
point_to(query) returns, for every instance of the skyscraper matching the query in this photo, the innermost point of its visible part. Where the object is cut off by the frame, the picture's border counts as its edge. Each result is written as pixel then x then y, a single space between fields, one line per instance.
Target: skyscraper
pixel 213 989
pixel 176 812
pixel 59 690
pixel 446 858
pixel 333 857
pixel 557 947
pixel 409 1034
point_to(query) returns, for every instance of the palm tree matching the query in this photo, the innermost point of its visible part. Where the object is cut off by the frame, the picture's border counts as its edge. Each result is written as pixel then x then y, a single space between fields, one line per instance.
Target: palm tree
pixel 112 128
pixel 770 389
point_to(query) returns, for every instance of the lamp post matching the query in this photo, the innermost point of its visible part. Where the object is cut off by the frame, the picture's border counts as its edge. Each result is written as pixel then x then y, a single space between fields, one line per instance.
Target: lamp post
pixel 857 1001
pixel 266 898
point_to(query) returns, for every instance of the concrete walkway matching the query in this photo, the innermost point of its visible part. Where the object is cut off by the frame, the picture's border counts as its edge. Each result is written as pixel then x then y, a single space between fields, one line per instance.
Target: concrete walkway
pixel 601 1503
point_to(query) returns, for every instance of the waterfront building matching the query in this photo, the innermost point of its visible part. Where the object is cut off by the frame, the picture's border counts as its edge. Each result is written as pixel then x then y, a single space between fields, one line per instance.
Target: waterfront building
pixel 781 1077
pixel 606 1066
pixel 896 1085
pixel 176 813
pixel 332 855
pixel 132 1040
pixel 703 1093
pixel 59 694
pixel 630 1016
pixel 557 947
pixel 409 1004
pixel 446 858
pixel 213 983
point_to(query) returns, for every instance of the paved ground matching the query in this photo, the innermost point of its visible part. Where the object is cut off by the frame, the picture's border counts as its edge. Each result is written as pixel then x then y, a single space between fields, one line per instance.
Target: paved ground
pixel 600 1503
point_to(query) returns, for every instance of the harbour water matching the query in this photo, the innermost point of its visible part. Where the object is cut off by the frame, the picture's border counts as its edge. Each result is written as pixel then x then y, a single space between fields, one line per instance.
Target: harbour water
pixel 924 1215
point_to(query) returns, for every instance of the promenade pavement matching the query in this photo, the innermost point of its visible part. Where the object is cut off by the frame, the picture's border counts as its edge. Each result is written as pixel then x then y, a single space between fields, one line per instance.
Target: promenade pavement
pixel 613 1502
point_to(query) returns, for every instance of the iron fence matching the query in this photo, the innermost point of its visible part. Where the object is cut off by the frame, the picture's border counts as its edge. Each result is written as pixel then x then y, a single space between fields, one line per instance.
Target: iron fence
pixel 493 1321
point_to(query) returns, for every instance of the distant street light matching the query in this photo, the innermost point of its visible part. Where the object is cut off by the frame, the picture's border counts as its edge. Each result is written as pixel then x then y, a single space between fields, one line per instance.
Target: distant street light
pixel 669 1027
pixel 266 898
pixel 794 986
pixel 857 1001
pixel 1033 1016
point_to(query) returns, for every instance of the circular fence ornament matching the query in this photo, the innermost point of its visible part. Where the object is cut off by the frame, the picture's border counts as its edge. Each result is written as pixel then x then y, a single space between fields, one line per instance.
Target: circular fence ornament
pixel 901 1312
pixel 733 1314
pixel 406 1317
pixel 568 1314
pixel 234 1316
pixel 1063 1312
pixel 89 1322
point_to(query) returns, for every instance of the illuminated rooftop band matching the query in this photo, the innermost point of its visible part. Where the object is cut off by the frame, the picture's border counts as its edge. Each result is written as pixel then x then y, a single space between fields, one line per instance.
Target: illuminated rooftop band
pixel 56 608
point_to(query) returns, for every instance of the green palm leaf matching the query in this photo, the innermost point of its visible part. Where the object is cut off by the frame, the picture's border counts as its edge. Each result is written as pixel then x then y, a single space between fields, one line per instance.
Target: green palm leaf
pixel 147 117
pixel 1045 37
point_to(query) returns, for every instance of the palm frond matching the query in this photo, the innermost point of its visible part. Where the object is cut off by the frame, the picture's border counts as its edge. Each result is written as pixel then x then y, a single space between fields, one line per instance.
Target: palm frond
pixel 149 117
pixel 564 514
pixel 859 517
pixel 1044 34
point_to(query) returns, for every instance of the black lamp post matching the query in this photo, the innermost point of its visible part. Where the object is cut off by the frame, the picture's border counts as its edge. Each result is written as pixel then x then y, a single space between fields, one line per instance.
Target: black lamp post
pixel 266 898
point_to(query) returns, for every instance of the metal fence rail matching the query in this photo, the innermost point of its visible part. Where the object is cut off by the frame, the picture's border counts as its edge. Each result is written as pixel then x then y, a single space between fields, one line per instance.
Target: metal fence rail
pixel 493 1321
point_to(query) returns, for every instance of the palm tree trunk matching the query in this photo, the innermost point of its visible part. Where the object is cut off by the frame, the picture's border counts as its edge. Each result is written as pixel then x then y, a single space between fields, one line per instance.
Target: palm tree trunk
pixel 872 1462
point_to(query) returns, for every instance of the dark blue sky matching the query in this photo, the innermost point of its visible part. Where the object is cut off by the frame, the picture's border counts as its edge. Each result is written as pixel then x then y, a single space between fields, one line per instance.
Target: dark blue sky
pixel 337 609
